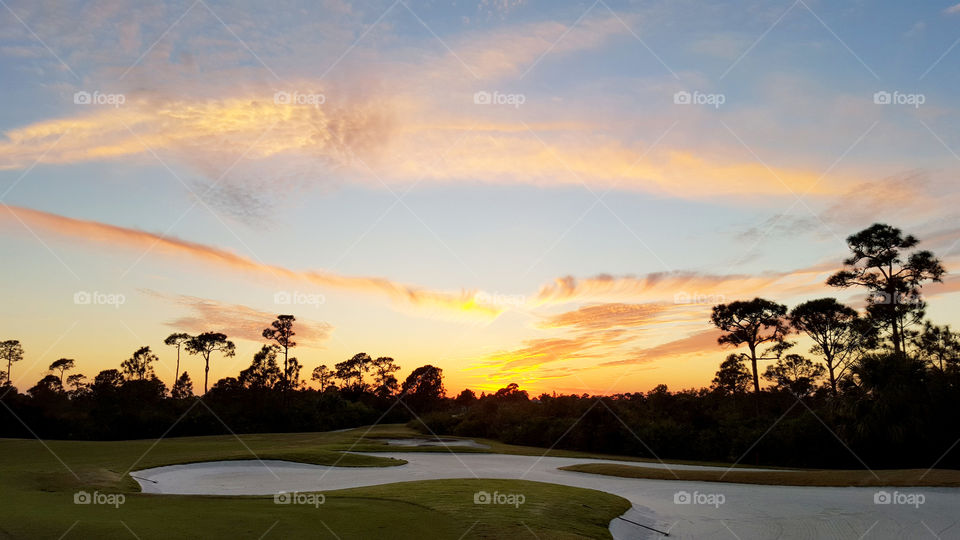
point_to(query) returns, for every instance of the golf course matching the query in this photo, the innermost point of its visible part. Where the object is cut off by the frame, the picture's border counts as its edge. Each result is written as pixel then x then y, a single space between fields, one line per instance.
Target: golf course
pixel 40 479
pixel 391 481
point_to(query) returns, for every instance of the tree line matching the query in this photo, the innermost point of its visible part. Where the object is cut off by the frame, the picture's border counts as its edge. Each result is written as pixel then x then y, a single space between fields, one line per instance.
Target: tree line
pixel 878 387
pixel 268 395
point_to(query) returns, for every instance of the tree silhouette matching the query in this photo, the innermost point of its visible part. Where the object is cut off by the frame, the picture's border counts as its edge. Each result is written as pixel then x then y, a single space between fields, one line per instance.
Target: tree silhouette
pixel 11 351
pixel 62 365
pixel 263 371
pixel 281 331
pixel 323 376
pixel 794 373
pixel 938 345
pixel 138 366
pixel 733 377
pixel 46 387
pixel 423 387
pixel 177 340
pixel 466 398
pixel 384 381
pixel 837 331
pixel 108 377
pixel 183 388
pixel 753 323
pixel 76 382
pixel 893 285
pixel 292 379
pixel 512 392
pixel 207 343
pixel 353 370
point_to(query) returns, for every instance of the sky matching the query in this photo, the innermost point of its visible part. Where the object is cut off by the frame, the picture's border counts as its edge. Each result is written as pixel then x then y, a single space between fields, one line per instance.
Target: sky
pixel 545 192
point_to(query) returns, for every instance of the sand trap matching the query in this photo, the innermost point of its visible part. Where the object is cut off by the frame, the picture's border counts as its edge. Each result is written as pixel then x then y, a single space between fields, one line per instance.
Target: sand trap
pixel 748 511
pixel 447 443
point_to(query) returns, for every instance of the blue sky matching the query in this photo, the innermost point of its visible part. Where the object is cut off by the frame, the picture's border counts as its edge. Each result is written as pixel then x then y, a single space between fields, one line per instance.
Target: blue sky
pixel 466 214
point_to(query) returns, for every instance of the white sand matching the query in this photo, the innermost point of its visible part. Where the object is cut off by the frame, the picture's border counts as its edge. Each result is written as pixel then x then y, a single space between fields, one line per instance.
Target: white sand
pixel 748 511
pixel 445 443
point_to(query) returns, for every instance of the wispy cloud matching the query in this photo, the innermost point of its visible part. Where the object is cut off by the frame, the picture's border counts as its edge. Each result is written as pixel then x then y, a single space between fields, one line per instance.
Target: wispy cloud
pixel 463 303
pixel 237 321
pixel 604 316
pixel 704 342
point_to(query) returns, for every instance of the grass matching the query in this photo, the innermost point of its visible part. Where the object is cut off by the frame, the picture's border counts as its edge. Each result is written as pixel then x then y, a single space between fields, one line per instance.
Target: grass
pixel 808 477
pixel 37 490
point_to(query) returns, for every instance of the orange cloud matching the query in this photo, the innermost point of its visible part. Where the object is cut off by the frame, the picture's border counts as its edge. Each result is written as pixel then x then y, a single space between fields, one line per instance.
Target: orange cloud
pixel 462 303
pixel 700 342
pixel 604 316
pixel 685 288
pixel 537 352
pixel 238 321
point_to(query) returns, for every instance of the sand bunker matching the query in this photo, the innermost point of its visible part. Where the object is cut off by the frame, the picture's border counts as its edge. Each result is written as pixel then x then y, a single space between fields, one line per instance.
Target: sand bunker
pixel 448 443
pixel 687 509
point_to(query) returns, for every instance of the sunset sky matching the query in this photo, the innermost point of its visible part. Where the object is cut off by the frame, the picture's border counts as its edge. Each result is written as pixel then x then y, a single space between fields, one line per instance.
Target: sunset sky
pixel 512 190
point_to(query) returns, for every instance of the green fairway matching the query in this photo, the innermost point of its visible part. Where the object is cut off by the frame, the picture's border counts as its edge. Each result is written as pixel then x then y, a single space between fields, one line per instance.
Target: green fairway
pixel 38 483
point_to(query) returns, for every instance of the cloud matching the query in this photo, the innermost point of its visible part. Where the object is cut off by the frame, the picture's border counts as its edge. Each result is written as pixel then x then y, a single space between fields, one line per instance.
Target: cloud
pixel 536 352
pixel 394 120
pixel 954 9
pixel 698 343
pixel 237 321
pixel 426 301
pixel 594 332
pixel 284 148
pixel 685 288
pixel 906 195
pixel 605 316
pixel 511 51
